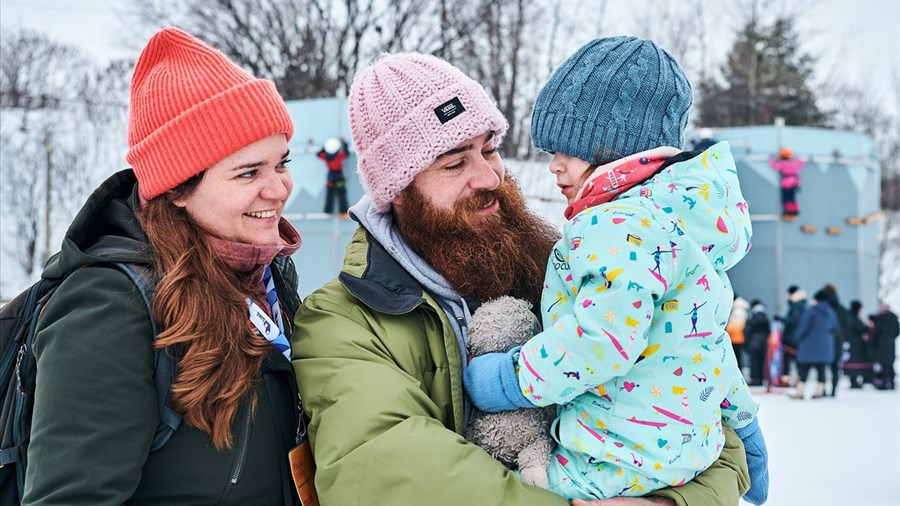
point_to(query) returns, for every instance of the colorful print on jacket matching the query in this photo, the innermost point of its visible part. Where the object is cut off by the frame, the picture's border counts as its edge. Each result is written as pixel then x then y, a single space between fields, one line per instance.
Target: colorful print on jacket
pixel 634 349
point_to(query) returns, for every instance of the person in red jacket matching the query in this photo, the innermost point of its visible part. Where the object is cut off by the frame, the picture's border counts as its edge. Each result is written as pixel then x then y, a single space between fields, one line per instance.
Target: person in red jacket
pixel 333 153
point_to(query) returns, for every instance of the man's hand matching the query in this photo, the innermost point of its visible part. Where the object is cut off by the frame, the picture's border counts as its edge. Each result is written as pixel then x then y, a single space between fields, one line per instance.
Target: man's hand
pixel 627 501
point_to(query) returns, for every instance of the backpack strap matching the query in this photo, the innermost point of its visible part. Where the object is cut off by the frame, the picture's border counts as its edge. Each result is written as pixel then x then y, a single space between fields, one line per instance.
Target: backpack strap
pixel 163 362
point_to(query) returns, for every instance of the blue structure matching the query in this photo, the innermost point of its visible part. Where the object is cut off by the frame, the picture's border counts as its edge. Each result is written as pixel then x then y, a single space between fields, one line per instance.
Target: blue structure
pixel 840 182
pixel 324 235
pixel 835 237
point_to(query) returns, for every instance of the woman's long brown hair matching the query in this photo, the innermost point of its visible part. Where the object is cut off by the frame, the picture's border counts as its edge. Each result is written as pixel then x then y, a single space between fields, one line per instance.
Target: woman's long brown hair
pixel 200 303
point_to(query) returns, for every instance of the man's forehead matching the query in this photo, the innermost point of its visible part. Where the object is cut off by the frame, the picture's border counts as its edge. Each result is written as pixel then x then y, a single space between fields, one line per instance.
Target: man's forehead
pixel 467 144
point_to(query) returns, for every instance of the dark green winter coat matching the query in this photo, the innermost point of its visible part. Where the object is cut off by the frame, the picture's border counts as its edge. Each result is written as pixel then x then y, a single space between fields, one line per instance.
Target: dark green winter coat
pixel 95 409
pixel 381 377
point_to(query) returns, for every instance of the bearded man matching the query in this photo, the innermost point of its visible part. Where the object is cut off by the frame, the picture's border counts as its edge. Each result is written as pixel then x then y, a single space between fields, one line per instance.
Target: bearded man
pixel 379 351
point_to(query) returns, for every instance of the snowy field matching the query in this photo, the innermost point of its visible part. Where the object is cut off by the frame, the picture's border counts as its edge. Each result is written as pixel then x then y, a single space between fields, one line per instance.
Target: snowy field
pixel 832 451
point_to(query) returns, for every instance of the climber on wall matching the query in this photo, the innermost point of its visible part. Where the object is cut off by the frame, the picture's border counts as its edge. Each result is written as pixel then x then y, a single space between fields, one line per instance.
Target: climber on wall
pixel 333 153
pixel 789 168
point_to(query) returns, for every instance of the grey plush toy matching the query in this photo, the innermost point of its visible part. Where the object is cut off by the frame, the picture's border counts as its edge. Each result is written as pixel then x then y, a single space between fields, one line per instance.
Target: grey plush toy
pixel 518 439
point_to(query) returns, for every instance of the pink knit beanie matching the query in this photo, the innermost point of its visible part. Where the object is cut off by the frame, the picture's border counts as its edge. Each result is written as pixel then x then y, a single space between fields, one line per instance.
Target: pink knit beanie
pixel 190 108
pixel 405 110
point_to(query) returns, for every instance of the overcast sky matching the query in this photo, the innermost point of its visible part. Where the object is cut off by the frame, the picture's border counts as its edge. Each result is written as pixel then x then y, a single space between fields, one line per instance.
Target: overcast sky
pixel 857 41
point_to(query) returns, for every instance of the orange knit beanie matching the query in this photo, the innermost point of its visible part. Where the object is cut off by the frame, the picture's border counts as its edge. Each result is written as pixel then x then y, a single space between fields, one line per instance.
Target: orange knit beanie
pixel 190 108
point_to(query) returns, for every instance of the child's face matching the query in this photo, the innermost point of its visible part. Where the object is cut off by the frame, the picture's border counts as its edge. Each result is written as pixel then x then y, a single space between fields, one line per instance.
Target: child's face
pixel 570 174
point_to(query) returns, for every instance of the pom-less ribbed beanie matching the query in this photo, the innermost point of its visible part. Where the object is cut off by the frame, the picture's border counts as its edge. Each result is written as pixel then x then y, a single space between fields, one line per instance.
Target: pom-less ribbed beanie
pixel 621 95
pixel 405 110
pixel 190 108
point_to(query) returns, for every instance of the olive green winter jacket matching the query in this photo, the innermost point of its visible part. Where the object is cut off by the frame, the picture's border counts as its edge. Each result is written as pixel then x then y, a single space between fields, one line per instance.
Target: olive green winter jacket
pixel 380 375
pixel 95 411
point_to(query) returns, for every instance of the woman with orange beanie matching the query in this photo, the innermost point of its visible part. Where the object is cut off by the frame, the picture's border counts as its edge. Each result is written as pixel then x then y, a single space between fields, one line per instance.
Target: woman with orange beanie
pixel 202 208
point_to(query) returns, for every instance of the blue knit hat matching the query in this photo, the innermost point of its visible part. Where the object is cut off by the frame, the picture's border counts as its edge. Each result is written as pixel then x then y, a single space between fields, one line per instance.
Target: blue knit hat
pixel 623 95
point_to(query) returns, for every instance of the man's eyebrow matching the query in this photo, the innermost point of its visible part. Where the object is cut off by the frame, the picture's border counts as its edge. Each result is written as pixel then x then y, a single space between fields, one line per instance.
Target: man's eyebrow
pixel 253 165
pixel 463 148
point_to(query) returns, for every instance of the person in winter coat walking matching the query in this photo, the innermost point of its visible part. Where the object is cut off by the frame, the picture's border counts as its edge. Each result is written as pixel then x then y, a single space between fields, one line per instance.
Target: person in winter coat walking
pixel 815 337
pixel 757 332
pixel 202 206
pixel 841 335
pixel 885 329
pixel 796 306
pixel 858 365
pixel 380 349
pixel 737 326
pixel 646 248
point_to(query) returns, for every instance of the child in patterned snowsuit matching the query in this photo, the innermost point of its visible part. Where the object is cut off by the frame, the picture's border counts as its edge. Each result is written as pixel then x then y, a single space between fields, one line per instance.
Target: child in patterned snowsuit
pixel 635 302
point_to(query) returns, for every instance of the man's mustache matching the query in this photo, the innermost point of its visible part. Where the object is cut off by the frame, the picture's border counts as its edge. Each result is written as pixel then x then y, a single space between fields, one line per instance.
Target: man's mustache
pixel 477 200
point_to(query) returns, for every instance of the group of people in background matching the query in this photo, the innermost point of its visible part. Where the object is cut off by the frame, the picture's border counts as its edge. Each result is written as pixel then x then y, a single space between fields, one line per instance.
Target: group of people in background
pixel 817 333
pixel 749 328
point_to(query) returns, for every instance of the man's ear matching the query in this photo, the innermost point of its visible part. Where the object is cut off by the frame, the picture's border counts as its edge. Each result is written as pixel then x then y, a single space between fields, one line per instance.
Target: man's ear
pixel 398 200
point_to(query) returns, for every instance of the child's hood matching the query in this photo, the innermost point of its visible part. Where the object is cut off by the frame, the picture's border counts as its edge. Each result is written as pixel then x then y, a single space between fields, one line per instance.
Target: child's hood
pixel 701 197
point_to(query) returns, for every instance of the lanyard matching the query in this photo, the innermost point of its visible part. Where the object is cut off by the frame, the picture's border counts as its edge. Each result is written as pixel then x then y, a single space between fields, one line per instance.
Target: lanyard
pixel 272 329
pixel 268 328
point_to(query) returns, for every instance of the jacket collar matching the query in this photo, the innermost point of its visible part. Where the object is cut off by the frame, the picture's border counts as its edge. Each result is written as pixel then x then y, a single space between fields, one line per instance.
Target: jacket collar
pixel 384 285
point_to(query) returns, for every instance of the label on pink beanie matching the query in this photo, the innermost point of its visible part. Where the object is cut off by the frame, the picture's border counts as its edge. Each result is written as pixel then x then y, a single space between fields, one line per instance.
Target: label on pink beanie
pixel 449 110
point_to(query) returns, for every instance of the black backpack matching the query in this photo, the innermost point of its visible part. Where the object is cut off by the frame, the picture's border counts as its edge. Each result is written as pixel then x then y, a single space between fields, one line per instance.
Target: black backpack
pixel 18 322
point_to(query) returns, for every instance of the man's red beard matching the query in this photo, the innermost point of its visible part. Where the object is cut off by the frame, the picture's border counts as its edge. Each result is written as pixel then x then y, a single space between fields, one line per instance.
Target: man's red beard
pixel 504 253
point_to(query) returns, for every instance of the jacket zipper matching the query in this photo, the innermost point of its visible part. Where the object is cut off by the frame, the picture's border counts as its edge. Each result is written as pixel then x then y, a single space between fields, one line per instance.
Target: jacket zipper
pixel 242 447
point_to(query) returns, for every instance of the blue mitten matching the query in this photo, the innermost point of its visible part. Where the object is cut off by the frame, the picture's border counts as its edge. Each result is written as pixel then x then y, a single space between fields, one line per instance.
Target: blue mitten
pixel 757 462
pixel 492 383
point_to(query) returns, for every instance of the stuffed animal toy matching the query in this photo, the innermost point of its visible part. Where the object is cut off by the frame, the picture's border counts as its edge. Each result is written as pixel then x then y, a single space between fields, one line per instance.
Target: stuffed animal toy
pixel 518 439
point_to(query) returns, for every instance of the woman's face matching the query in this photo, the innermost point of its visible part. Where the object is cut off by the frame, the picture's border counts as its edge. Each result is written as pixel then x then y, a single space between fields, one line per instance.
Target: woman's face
pixel 241 197
pixel 569 172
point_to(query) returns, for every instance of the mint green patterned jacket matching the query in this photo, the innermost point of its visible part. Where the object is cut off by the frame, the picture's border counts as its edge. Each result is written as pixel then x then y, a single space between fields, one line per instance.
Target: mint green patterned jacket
pixel 634 349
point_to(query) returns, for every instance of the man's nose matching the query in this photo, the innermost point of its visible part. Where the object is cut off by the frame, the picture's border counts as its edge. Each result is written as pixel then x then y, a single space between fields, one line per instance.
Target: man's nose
pixel 485 176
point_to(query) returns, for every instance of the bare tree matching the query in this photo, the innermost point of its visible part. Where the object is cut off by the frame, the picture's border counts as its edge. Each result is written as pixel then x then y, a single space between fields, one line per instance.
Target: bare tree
pixel 62 122
pixel 853 108
pixel 35 72
pixel 674 28
pixel 21 203
pixel 36 77
pixel 859 110
pixel 313 48
pixel 308 48
pixel 503 50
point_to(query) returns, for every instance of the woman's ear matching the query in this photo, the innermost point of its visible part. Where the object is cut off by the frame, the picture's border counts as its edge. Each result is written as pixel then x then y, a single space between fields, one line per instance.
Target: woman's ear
pixel 179 202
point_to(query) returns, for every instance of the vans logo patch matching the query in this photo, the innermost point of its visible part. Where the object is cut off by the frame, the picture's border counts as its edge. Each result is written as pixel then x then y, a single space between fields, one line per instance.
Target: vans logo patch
pixel 449 110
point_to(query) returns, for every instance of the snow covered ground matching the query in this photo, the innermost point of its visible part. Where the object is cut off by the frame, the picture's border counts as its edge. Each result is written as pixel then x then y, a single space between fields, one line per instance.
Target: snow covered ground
pixel 832 451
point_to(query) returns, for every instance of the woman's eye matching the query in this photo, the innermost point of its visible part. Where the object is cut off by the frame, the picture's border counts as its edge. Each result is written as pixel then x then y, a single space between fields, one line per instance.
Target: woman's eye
pixel 455 166
pixel 489 153
pixel 283 164
pixel 247 175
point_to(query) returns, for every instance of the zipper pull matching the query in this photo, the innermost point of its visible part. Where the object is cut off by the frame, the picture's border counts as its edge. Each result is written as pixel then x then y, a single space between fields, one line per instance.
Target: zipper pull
pixel 301 421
